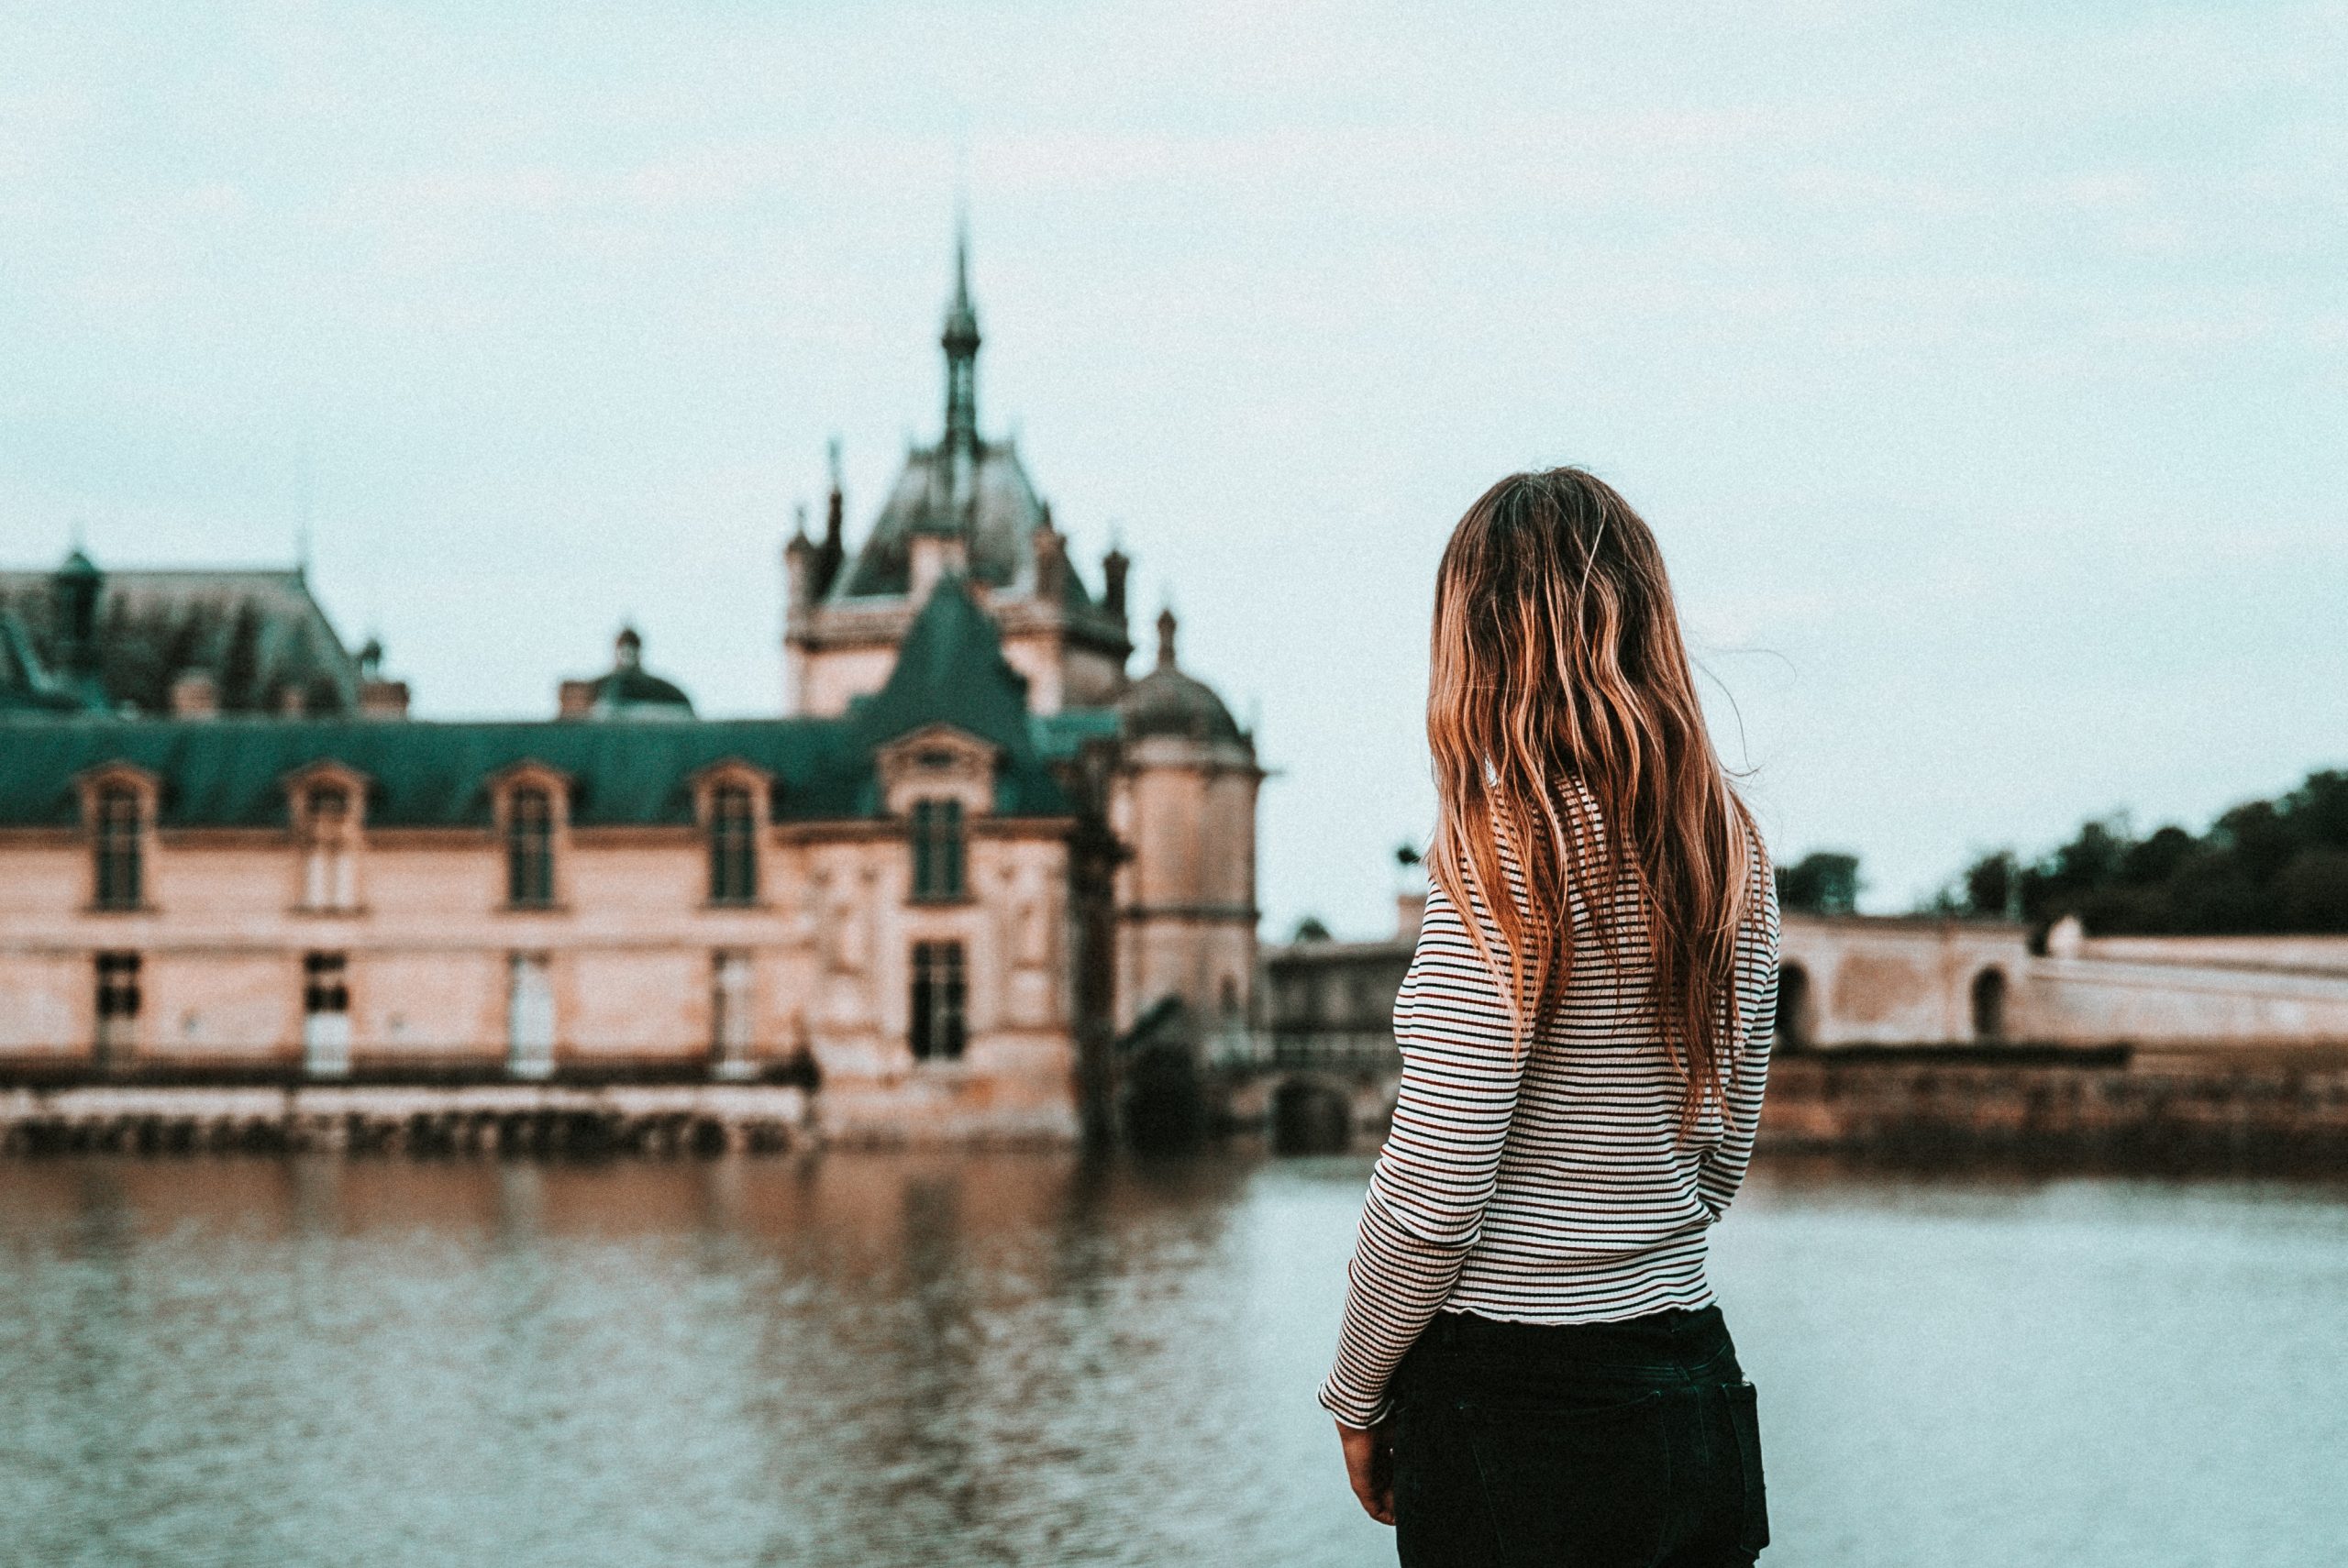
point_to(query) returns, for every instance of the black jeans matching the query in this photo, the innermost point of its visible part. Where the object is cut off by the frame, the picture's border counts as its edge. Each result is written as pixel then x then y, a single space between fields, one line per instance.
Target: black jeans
pixel 1590 1445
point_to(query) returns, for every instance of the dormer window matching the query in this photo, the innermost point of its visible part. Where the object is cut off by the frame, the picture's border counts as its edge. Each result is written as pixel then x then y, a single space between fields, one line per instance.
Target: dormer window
pixel 118 807
pixel 938 850
pixel 529 848
pixel 530 816
pixel 329 848
pixel 119 843
pixel 732 802
pixel 732 846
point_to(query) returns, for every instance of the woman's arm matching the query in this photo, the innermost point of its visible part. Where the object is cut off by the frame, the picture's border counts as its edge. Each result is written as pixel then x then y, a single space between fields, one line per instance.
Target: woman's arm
pixel 1722 1171
pixel 1460 1076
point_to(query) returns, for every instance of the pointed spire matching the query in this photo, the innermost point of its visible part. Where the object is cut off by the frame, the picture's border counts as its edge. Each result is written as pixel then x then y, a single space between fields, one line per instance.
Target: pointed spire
pixel 1165 638
pixel 960 341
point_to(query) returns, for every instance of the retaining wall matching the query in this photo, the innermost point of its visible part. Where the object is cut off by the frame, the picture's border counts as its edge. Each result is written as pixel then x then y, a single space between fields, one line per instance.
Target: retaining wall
pixel 533 1119
pixel 2113 1106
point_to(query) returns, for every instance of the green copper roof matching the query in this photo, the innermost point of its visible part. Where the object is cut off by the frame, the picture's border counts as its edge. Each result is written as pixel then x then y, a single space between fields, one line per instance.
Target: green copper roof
pixel 1062 735
pixel 231 771
pixel 950 670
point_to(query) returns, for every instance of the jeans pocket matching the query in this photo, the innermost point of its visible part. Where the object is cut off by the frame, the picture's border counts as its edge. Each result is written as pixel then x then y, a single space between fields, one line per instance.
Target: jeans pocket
pixel 1586 1485
pixel 1744 1418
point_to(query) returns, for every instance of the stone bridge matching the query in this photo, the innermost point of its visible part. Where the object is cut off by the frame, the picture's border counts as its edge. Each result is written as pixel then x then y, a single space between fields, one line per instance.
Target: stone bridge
pixel 1319 1070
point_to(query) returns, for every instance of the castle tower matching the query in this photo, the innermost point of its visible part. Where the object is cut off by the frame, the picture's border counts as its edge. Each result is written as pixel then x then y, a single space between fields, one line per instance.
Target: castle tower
pixel 962 507
pixel 1184 801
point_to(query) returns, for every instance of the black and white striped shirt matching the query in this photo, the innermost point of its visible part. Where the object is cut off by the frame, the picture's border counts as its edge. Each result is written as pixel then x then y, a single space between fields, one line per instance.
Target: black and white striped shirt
pixel 1550 1184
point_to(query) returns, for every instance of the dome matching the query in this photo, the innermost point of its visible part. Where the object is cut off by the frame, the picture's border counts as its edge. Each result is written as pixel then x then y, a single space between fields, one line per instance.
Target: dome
pixel 632 692
pixel 1168 702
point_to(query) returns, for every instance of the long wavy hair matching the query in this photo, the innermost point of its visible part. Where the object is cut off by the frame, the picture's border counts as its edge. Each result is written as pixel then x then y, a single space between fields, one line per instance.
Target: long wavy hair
pixel 1558 659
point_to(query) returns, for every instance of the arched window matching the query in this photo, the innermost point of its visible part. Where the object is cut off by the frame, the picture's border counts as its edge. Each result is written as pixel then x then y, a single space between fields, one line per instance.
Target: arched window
pixel 1796 1022
pixel 119 844
pixel 529 848
pixel 329 868
pixel 733 846
pixel 1990 1005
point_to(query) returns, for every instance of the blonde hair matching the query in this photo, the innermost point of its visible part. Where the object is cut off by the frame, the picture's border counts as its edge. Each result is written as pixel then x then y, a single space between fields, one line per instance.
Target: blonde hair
pixel 1558 659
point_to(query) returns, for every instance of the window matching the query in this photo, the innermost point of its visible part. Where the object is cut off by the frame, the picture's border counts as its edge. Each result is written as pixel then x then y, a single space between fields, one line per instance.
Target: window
pixel 325 986
pixel 529 1016
pixel 938 849
pixel 733 846
pixel 938 1029
pixel 120 826
pixel 326 1013
pixel 329 874
pixel 1794 1023
pixel 729 1009
pixel 529 849
pixel 1990 1005
pixel 118 1002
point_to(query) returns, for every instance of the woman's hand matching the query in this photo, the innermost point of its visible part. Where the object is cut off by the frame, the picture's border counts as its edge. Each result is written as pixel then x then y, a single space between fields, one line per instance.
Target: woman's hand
pixel 1370 1465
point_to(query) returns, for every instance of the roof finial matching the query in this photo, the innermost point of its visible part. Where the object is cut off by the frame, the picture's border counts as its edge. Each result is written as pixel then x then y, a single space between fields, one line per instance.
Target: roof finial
pixel 627 649
pixel 1165 638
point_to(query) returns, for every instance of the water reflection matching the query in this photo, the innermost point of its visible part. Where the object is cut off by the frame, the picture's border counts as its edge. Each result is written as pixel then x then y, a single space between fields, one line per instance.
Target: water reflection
pixel 876 1359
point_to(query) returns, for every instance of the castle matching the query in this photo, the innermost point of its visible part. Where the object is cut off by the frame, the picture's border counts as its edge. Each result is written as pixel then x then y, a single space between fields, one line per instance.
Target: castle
pixel 973 850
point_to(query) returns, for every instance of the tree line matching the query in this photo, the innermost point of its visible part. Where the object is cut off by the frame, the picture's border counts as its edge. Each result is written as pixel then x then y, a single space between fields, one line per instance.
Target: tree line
pixel 2263 866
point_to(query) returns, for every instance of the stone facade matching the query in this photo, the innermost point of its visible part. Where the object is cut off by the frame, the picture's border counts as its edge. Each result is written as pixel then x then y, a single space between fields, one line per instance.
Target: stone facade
pixel 932 890
pixel 1877 980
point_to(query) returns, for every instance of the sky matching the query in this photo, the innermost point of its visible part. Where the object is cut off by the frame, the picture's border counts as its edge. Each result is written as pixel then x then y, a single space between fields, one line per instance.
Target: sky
pixel 1982 368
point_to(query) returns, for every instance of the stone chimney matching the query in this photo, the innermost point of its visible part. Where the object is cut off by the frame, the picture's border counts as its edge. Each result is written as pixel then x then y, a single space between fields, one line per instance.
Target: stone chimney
pixel 383 699
pixel 195 695
pixel 291 702
pixel 379 697
pixel 574 699
pixel 1409 912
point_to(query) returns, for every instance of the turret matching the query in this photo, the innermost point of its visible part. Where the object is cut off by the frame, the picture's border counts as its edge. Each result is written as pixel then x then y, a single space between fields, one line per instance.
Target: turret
pixel 1186 899
pixel 1113 567
pixel 74 591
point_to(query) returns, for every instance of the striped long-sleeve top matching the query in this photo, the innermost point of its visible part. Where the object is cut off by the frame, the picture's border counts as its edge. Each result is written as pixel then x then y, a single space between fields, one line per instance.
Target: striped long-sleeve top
pixel 1552 1183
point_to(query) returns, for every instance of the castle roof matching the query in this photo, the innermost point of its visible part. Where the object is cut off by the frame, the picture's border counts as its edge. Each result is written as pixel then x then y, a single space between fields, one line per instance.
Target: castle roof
pixel 230 771
pixel 950 670
pixel 1167 701
pixel 999 517
pixel 963 486
pixel 27 684
pixel 258 634
pixel 628 691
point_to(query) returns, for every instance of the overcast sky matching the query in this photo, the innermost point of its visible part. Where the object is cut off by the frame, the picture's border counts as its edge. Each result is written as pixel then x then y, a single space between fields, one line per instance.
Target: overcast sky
pixel 1983 368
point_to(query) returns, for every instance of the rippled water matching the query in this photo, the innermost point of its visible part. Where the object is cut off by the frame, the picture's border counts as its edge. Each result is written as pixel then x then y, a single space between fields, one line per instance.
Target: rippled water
pixel 880 1360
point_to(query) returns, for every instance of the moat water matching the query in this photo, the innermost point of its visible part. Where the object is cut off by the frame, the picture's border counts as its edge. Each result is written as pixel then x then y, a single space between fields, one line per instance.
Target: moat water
pixel 901 1360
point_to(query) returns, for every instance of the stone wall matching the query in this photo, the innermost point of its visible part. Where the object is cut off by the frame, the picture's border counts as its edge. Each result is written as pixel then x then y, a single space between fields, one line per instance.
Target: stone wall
pixel 485 1119
pixel 2250 1109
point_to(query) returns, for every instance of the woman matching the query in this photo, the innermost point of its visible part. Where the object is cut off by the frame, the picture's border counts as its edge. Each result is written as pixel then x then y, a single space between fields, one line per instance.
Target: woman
pixel 1531 1370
